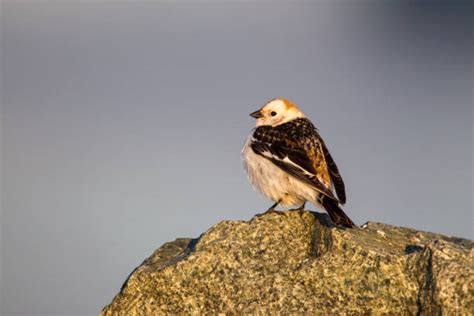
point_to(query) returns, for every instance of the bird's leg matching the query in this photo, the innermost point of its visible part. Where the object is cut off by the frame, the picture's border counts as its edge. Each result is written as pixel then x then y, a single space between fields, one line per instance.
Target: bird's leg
pixel 270 210
pixel 301 208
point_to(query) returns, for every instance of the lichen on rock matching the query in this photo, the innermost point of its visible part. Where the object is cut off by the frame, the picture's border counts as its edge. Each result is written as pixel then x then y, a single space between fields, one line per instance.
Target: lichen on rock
pixel 296 262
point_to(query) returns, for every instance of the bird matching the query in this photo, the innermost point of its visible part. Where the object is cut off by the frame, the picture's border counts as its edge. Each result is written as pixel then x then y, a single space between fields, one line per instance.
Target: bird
pixel 288 162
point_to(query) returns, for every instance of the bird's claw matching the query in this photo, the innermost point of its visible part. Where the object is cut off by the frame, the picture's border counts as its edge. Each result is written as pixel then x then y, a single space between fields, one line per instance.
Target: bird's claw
pixel 269 211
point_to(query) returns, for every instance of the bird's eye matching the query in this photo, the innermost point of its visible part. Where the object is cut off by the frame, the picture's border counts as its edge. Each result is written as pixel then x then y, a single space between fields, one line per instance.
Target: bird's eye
pixel 273 113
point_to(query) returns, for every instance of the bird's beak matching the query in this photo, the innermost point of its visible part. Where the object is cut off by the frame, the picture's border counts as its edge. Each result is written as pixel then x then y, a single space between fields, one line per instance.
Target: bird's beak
pixel 257 114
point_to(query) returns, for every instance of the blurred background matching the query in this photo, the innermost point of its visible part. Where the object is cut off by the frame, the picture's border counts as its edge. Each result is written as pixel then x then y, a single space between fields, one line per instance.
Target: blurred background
pixel 122 124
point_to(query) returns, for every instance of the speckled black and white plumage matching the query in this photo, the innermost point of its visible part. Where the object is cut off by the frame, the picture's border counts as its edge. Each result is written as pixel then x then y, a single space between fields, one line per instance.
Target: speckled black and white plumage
pixel 289 163
pixel 299 141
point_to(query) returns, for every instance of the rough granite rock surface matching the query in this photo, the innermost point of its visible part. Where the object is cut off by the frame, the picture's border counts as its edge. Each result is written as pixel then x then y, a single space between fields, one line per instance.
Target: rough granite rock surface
pixel 296 262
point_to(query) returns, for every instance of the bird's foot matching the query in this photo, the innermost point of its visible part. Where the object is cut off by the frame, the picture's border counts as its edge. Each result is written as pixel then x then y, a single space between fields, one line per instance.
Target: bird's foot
pixel 271 210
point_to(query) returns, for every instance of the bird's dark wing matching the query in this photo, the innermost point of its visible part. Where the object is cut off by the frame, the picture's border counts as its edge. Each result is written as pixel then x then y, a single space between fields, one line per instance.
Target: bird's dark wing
pixel 335 175
pixel 294 149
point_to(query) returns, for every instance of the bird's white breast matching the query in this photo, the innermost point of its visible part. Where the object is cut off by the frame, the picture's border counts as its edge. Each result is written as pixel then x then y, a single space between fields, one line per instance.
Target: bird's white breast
pixel 273 182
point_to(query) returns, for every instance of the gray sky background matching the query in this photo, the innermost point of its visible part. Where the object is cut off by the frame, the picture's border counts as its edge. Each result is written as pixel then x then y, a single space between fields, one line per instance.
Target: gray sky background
pixel 122 125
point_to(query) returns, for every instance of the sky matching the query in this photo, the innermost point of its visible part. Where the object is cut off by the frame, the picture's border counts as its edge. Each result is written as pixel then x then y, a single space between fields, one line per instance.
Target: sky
pixel 122 124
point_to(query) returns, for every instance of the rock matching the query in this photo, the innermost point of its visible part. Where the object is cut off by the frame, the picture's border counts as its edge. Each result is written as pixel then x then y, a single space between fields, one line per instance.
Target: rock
pixel 296 262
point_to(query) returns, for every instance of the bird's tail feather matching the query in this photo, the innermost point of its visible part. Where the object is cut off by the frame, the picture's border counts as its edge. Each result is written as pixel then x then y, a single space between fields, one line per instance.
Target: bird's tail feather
pixel 336 214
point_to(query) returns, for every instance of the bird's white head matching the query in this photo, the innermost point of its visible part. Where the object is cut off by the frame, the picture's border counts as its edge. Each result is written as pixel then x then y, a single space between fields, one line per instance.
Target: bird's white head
pixel 276 112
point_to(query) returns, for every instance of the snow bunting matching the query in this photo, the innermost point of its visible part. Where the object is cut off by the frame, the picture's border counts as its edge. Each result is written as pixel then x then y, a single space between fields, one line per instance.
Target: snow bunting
pixel 288 162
